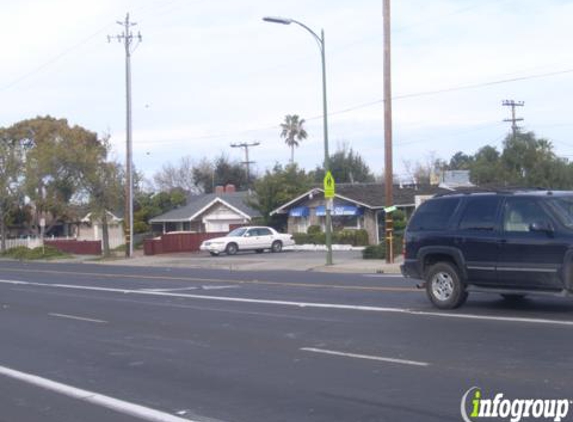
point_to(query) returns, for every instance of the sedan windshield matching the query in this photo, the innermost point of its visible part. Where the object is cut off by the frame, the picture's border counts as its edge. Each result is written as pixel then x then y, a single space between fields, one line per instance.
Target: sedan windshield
pixel 237 232
pixel 563 208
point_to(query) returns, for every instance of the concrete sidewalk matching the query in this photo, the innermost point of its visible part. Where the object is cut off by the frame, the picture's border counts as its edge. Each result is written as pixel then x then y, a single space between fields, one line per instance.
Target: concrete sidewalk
pixel 343 262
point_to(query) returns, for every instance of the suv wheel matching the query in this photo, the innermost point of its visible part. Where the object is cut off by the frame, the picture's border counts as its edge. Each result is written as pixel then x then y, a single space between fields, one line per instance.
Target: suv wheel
pixel 444 286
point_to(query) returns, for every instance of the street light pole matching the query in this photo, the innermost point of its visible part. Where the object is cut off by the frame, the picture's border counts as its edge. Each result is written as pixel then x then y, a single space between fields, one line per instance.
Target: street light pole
pixel 321 44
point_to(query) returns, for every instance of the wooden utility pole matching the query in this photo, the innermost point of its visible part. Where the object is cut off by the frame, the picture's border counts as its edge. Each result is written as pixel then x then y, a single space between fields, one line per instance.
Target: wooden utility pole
pixel 247 162
pixel 388 170
pixel 513 120
pixel 127 38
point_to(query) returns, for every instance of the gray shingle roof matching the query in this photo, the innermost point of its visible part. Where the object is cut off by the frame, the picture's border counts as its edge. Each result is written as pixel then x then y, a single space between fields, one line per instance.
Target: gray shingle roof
pixel 196 203
pixel 371 195
pixel 374 196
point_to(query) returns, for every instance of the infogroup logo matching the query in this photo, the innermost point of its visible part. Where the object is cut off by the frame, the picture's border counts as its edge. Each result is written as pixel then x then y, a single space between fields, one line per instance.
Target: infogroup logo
pixel 474 407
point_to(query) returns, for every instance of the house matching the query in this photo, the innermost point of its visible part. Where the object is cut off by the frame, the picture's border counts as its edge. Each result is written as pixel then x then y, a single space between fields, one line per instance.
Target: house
pixel 208 213
pixel 356 206
pixel 90 228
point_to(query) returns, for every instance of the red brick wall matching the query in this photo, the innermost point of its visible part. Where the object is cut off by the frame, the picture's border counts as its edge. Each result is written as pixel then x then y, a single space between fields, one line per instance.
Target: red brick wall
pixel 77 247
pixel 177 242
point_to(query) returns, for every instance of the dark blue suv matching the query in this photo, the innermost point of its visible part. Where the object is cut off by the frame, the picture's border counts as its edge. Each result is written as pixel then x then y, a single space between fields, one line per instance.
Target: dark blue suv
pixel 512 243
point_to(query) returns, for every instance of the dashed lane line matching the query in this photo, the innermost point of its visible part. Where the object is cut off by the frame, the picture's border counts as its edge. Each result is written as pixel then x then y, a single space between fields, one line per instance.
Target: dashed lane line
pixel 77 318
pixel 216 280
pixel 366 357
pixel 310 305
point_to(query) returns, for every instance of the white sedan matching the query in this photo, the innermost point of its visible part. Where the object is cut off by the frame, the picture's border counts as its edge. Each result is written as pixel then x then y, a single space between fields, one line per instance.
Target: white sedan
pixel 248 238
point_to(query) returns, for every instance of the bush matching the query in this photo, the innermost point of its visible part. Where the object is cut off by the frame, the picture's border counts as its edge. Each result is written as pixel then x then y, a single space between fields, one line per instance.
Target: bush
pixel 379 251
pixel 360 237
pixel 374 252
pixel 301 238
pixel 318 238
pixel 23 253
pixel 314 229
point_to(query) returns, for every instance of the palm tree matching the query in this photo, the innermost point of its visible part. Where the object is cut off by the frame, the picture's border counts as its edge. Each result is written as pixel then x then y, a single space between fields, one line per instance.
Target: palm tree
pixel 293 132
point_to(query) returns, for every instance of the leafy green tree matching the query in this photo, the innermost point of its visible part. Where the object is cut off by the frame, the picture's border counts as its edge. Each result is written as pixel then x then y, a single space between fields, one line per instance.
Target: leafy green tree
pixel 149 205
pixel 525 161
pixel 221 171
pixel 103 182
pixel 55 158
pixel 293 132
pixel 278 186
pixel 529 161
pixel 460 161
pixel 486 168
pixel 347 166
pixel 10 180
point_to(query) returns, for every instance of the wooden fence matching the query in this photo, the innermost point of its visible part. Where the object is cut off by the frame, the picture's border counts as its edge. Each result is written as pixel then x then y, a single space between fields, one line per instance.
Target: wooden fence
pixel 177 242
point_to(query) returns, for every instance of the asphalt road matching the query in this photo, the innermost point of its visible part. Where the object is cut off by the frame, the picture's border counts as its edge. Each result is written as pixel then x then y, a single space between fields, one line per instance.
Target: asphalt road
pixel 84 342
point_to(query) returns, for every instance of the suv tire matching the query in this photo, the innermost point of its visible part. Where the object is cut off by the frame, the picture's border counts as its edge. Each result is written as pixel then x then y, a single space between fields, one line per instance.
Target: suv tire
pixel 444 286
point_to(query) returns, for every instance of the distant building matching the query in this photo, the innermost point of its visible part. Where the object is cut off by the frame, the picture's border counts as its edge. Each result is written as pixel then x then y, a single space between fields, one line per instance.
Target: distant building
pixel 356 206
pixel 207 213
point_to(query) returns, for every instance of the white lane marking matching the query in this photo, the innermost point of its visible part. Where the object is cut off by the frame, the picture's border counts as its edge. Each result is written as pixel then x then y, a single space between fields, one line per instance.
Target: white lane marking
pixel 127 408
pixel 218 287
pixel 298 304
pixel 176 289
pixel 99 321
pixel 368 357
pixel 383 275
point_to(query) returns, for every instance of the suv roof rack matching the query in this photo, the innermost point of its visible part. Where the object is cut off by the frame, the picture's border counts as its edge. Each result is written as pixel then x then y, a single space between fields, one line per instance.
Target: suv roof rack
pixel 499 190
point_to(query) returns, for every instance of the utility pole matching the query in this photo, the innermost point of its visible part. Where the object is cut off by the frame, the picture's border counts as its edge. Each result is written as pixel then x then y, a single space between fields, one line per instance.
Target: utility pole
pixel 127 38
pixel 388 170
pixel 247 163
pixel 513 120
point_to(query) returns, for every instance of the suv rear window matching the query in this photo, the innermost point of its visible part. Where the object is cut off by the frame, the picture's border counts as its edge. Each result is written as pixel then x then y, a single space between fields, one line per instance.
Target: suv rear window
pixel 434 214
pixel 480 213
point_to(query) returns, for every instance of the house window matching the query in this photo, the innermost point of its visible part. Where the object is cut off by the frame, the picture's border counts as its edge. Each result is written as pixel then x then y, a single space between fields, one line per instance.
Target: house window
pixel 341 222
pixel 301 225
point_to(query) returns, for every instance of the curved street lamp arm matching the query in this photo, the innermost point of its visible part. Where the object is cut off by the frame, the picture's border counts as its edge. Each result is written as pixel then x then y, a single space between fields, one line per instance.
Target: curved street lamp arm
pixel 318 39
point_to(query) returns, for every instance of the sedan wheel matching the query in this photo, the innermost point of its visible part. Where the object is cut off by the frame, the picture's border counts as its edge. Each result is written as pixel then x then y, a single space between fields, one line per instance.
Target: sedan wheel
pixel 277 246
pixel 231 249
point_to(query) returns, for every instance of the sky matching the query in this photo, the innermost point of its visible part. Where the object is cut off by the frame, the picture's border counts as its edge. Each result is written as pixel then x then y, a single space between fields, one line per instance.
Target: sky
pixel 208 74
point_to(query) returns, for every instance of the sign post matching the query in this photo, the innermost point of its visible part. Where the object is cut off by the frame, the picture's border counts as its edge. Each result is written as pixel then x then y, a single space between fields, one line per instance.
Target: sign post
pixel 329 191
pixel 42 228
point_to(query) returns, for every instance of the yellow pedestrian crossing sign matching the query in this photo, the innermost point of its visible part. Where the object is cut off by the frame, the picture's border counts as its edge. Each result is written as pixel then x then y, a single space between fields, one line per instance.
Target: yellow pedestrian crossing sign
pixel 329 185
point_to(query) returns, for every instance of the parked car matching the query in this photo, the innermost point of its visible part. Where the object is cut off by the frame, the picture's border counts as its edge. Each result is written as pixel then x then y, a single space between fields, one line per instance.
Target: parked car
pixel 512 243
pixel 248 238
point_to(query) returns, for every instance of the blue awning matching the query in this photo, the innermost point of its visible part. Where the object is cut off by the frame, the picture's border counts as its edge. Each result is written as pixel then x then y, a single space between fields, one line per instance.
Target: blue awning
pixel 299 212
pixel 347 210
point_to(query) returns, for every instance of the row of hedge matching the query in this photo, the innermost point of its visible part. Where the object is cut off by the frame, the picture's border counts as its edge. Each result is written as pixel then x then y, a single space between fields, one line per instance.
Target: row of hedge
pixel 343 237
pixel 24 253
pixel 379 251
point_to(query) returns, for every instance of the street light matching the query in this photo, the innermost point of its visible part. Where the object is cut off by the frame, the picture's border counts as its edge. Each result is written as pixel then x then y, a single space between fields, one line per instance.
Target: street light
pixel 320 42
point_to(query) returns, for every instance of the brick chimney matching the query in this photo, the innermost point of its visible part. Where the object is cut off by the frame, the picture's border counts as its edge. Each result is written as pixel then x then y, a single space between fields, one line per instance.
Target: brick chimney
pixel 230 188
pixel 219 190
